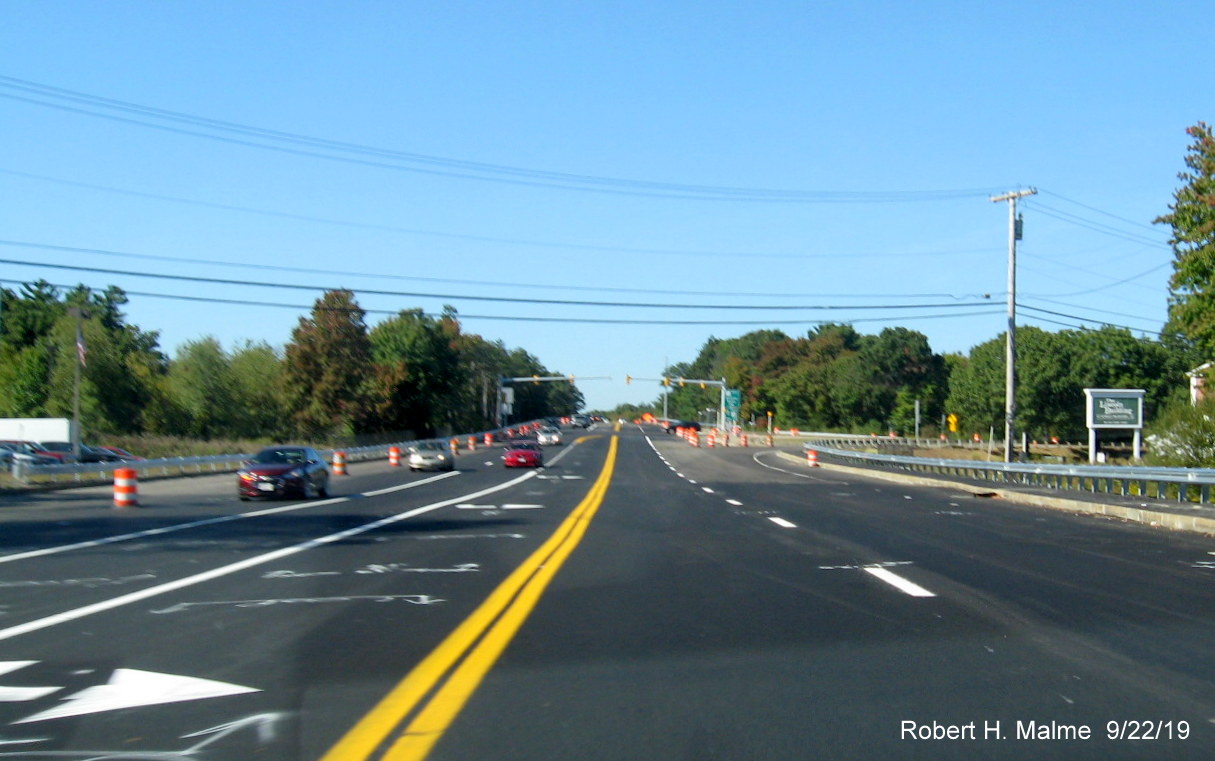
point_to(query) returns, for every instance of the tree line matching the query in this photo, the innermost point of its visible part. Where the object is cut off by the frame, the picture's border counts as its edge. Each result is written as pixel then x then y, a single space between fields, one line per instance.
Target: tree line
pixel 411 374
pixel 836 379
pixel 833 378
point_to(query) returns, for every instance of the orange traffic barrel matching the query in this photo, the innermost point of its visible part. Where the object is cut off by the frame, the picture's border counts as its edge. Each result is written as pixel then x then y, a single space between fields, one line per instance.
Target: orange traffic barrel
pixel 126 487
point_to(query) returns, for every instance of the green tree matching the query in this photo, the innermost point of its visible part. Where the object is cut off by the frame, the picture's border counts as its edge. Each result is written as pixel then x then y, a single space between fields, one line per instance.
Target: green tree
pixel 201 382
pixel 327 367
pixel 1192 219
pixel 418 374
pixel 257 377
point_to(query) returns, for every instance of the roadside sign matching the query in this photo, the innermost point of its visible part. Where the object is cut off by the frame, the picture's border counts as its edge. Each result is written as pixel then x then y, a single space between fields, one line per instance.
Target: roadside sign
pixel 733 406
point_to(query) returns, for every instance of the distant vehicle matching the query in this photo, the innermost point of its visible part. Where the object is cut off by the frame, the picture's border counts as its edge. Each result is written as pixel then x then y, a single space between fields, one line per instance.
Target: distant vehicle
pixel 548 436
pixel 10 452
pixel 429 455
pixel 122 453
pixel 97 454
pixel 670 425
pixel 582 421
pixel 523 454
pixel 34 448
pixel 284 471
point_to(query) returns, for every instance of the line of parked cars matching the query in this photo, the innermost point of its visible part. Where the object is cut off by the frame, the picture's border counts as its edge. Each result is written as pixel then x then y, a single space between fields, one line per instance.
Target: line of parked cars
pixel 59 453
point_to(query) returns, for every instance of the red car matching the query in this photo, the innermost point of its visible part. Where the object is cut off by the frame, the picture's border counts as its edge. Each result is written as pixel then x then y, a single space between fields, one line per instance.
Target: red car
pixel 284 471
pixel 523 454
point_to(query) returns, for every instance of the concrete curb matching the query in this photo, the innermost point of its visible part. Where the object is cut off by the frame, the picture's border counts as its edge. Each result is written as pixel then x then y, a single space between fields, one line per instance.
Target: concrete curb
pixel 1157 518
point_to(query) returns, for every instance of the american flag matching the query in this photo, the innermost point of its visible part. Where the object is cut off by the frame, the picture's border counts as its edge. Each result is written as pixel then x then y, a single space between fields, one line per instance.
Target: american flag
pixel 80 349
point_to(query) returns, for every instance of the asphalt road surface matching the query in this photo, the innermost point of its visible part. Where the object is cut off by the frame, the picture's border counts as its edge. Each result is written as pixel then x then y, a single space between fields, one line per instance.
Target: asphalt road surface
pixel 635 599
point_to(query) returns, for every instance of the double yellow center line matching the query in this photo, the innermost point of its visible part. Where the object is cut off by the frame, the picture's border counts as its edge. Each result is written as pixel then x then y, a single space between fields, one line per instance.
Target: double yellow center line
pixel 452 672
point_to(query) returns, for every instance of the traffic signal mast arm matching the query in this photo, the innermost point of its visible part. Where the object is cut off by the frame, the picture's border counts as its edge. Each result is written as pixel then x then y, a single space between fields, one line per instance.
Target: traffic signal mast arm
pixel 668 381
pixel 552 378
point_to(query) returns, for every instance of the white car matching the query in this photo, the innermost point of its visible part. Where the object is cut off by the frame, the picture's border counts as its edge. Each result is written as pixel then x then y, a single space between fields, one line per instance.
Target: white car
pixel 430 455
pixel 548 436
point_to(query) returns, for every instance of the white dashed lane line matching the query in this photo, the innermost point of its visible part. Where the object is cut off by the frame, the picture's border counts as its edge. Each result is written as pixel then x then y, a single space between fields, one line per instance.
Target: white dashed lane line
pixel 878 571
pixel 898 582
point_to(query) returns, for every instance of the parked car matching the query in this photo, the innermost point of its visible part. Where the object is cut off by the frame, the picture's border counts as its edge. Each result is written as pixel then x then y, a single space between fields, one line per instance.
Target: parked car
pixel 284 471
pixel 97 454
pixel 11 452
pixel 548 436
pixel 430 455
pixel 33 448
pixel 523 454
pixel 122 454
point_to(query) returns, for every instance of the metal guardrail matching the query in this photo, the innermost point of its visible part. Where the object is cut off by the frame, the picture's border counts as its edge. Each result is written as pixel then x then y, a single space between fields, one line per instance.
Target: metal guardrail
pixel 1180 484
pixel 102 472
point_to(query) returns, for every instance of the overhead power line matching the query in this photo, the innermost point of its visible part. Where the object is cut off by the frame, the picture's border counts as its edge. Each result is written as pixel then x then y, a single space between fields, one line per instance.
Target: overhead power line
pixel 246 266
pixel 151 117
pixel 469 297
pixel 526 318
pixel 557 245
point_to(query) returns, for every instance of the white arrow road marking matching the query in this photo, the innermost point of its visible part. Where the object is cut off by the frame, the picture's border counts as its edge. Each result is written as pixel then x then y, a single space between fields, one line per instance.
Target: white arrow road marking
pixel 21 694
pixel 132 688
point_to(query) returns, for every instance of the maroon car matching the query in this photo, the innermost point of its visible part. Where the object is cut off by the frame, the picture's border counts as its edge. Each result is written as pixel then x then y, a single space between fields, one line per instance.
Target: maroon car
pixel 523 454
pixel 284 471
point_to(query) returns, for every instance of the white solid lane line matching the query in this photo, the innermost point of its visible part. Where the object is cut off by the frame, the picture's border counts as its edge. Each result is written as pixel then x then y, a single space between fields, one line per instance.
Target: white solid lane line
pixel 212 521
pixel 215 573
pixel 898 582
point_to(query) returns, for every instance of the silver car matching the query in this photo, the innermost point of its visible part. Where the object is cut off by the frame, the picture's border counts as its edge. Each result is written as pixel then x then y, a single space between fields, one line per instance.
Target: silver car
pixel 548 436
pixel 429 455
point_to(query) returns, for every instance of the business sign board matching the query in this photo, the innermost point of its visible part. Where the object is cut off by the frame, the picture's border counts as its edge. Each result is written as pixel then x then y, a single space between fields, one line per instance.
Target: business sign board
pixel 1114 408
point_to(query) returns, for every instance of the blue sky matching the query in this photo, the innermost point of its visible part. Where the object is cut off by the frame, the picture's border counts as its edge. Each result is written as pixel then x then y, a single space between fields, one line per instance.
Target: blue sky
pixel 483 142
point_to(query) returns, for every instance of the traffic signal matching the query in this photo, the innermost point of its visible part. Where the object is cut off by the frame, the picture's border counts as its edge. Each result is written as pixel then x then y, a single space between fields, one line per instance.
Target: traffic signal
pixel 682 383
pixel 666 381
pixel 628 379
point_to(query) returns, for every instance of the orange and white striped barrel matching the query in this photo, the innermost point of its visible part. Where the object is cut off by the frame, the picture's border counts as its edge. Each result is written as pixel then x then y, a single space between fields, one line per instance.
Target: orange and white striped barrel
pixel 489 439
pixel 126 487
pixel 743 440
pixel 812 458
pixel 339 463
pixel 454 446
pixel 771 440
pixel 394 456
pixel 712 437
pixel 472 443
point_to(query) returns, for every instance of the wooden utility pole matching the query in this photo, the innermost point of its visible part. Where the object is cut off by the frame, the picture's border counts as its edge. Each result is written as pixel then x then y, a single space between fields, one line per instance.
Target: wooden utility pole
pixel 1010 343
